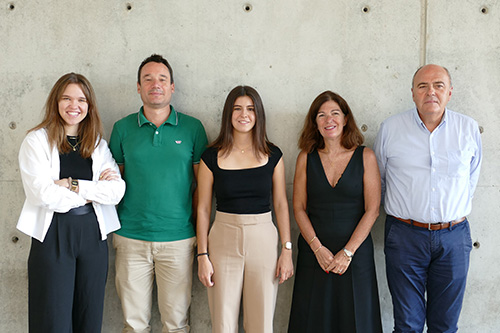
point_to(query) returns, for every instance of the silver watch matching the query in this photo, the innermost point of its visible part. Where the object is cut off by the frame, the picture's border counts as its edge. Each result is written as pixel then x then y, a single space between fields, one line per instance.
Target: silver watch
pixel 348 253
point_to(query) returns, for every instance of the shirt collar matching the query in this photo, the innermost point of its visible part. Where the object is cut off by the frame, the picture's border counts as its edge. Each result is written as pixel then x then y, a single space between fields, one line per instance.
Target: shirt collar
pixel 419 121
pixel 173 118
pixel 445 117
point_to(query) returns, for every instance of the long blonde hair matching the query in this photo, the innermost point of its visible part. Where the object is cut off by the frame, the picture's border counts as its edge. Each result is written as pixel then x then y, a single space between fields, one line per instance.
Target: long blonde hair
pixel 90 129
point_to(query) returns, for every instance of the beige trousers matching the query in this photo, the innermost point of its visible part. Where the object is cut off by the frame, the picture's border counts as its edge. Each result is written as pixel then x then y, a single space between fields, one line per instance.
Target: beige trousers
pixel 243 250
pixel 137 264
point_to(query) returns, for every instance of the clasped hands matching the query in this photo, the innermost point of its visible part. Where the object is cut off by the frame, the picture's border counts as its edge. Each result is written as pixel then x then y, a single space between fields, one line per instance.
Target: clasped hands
pixel 337 264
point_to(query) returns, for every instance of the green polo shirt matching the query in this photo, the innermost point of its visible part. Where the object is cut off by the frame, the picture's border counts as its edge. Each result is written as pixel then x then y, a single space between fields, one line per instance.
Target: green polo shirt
pixel 158 170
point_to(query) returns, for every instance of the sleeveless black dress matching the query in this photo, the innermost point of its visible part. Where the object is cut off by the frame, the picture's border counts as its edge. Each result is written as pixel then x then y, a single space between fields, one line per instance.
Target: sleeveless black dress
pixel 329 302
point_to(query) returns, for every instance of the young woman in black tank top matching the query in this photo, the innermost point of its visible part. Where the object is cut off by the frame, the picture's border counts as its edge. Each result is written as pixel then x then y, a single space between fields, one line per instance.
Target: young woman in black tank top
pixel 238 259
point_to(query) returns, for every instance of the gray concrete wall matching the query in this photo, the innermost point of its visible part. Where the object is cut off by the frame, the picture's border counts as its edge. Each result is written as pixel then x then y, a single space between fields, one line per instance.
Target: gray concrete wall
pixel 290 50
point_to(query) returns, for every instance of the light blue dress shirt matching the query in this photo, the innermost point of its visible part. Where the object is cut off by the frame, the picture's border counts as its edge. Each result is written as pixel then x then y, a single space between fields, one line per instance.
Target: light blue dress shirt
pixel 428 177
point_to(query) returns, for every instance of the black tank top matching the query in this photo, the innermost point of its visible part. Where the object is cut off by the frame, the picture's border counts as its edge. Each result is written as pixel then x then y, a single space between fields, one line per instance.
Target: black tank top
pixel 244 191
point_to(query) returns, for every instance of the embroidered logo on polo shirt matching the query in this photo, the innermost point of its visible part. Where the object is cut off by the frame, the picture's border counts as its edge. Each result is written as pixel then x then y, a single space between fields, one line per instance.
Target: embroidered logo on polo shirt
pixel 178 142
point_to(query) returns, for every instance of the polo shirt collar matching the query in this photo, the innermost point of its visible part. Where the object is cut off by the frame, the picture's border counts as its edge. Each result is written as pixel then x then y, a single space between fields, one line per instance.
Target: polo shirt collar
pixel 173 118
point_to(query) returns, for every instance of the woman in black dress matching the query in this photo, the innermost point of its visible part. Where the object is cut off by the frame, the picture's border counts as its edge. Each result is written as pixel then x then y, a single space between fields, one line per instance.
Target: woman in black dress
pixel 336 198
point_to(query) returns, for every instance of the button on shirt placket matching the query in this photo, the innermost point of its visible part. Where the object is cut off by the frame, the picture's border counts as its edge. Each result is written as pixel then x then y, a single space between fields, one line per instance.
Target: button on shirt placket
pixel 157 134
pixel 433 194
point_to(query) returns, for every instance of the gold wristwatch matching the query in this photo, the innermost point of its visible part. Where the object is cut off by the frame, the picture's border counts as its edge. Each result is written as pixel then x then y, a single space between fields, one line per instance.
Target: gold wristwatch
pixel 74 185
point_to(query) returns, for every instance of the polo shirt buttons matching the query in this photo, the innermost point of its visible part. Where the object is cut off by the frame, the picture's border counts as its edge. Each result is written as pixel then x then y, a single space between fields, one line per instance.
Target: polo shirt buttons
pixel 156 132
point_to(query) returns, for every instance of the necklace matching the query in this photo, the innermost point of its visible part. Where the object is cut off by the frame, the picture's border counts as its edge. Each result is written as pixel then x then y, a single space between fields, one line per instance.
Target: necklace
pixel 73 138
pixel 334 169
pixel 242 150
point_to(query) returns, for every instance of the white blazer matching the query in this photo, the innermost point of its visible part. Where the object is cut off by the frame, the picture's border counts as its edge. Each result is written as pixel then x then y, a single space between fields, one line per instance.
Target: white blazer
pixel 39 167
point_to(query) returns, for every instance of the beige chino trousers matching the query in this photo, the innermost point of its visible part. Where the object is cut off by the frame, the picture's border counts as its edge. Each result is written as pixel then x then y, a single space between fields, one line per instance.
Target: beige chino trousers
pixel 243 251
pixel 138 263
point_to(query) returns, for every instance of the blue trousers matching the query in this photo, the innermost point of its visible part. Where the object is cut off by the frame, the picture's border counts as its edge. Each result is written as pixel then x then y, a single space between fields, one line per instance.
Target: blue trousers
pixel 67 276
pixel 427 272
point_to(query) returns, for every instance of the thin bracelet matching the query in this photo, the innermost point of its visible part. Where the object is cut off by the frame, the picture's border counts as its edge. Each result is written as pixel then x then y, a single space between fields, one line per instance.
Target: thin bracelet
pixel 69 183
pixel 312 240
pixel 318 248
pixel 202 254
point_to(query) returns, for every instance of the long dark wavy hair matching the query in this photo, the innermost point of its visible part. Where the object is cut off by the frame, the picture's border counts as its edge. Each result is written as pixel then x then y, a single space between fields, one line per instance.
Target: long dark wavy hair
pixel 310 137
pixel 90 129
pixel 224 141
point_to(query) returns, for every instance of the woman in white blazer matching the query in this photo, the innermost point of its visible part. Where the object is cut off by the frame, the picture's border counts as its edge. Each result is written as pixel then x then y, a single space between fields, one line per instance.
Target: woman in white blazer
pixel 72 185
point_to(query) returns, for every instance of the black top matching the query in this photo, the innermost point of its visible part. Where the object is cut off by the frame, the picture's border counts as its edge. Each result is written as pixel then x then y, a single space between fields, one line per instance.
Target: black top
pixel 73 164
pixel 243 191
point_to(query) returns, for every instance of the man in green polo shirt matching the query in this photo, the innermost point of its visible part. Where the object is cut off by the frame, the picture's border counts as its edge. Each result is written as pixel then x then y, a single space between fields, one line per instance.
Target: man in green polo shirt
pixel 158 151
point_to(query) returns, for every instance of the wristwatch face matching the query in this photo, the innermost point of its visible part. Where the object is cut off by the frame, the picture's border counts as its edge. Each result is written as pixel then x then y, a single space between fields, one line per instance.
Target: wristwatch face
pixel 288 245
pixel 348 253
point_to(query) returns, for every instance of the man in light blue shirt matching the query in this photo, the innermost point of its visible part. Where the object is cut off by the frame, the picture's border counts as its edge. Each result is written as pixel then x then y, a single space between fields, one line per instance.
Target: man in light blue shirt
pixel 429 159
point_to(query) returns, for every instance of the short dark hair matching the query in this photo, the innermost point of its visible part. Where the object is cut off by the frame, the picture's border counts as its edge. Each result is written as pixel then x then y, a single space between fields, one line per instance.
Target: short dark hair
pixel 311 139
pixel 159 59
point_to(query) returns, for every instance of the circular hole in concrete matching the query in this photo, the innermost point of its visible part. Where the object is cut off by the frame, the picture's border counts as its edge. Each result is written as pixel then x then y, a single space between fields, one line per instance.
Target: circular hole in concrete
pixel 11 6
pixel 484 10
pixel 365 9
pixel 247 7
pixel 12 125
pixel 364 127
pixel 15 239
pixel 129 6
pixel 481 129
pixel 476 245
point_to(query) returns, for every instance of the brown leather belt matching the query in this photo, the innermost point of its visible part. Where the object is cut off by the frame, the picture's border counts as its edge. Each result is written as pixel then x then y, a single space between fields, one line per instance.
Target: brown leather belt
pixel 432 226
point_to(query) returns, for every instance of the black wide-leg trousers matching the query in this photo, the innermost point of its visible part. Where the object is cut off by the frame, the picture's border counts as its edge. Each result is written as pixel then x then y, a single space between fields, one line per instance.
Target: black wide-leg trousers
pixel 67 276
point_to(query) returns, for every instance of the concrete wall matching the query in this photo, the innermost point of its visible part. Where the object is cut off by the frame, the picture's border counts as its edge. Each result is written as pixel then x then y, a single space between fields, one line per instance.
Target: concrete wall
pixel 290 50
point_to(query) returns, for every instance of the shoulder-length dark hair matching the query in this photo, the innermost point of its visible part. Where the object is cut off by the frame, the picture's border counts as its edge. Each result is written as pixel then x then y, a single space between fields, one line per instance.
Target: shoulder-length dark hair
pixel 90 128
pixel 310 137
pixel 224 141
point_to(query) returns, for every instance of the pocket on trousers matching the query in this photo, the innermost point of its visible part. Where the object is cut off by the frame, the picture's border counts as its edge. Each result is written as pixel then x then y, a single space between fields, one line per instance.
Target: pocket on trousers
pixel 392 238
pixel 212 232
pixel 467 236
pixel 116 242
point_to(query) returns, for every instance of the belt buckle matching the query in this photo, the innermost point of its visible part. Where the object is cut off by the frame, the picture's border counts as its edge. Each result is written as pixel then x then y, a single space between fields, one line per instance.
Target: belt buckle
pixel 431 224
